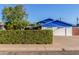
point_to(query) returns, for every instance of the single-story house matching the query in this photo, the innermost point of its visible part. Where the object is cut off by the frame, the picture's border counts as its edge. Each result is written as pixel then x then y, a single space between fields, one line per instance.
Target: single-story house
pixel 59 28
pixel 2 26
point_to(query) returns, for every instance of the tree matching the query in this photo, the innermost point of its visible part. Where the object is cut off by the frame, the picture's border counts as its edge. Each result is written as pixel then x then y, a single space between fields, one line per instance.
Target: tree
pixel 8 25
pixel 13 13
pixel 16 25
pixel 14 17
pixel 7 13
pixel 20 24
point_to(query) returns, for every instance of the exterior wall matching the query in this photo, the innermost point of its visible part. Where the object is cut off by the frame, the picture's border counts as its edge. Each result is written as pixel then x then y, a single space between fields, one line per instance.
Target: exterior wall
pixel 75 31
pixel 61 31
pixel 69 31
pixel 2 27
pixel 46 28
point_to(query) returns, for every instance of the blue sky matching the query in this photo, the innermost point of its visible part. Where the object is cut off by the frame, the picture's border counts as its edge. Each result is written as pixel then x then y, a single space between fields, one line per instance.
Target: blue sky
pixel 37 12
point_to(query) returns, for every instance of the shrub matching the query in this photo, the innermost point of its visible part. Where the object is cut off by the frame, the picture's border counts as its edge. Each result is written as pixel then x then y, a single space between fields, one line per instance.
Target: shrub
pixel 26 37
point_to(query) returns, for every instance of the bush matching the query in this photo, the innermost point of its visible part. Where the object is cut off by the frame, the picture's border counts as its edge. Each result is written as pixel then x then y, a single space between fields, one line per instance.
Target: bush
pixel 26 37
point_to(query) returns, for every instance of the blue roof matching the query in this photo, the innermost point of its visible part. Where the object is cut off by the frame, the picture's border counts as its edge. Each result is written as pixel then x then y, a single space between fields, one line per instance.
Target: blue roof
pixel 54 23
pixel 45 21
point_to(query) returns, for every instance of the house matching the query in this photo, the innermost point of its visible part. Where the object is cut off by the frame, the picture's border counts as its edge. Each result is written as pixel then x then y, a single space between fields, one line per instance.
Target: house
pixel 2 26
pixel 59 28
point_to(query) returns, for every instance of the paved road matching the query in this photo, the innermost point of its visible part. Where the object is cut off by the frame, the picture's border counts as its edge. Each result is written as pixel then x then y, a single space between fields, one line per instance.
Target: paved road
pixel 41 53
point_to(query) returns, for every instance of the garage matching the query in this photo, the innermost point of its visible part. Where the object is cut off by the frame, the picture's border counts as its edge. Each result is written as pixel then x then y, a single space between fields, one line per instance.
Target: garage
pixel 59 28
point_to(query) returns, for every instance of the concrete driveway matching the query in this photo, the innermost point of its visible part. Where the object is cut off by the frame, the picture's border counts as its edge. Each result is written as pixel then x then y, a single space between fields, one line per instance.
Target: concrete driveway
pixel 68 43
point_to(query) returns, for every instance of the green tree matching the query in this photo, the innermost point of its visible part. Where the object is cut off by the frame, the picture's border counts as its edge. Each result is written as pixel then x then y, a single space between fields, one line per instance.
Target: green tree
pixel 20 24
pixel 7 13
pixel 16 25
pixel 14 13
pixel 14 17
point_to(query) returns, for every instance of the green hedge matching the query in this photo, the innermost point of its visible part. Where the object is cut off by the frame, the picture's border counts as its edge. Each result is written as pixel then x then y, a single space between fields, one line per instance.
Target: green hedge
pixel 26 37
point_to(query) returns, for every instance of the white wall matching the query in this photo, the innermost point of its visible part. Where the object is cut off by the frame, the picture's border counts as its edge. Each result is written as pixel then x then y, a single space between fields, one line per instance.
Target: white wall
pixel 69 31
pixel 61 31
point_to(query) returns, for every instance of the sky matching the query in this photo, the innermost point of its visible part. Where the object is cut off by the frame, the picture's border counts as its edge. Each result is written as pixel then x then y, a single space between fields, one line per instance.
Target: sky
pixel 37 12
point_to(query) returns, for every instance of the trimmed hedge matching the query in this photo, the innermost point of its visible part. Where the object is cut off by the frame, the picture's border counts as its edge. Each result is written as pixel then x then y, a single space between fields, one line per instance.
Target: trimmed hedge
pixel 26 37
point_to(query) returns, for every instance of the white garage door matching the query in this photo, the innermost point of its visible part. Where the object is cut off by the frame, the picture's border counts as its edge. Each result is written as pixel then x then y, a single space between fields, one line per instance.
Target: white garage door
pixel 62 31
